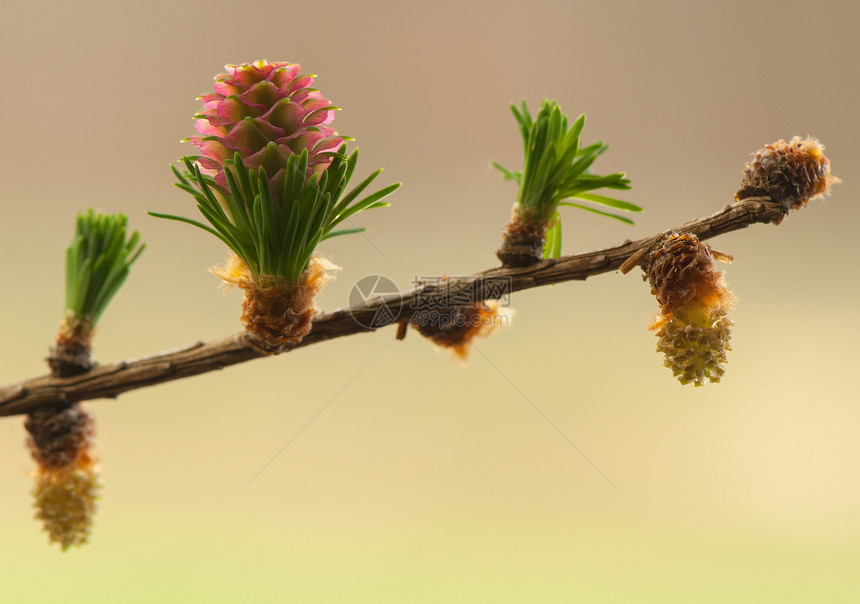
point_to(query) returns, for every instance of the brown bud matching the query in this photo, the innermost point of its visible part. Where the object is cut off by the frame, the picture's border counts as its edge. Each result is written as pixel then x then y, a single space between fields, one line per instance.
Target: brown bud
pixel 790 173
pixel 456 328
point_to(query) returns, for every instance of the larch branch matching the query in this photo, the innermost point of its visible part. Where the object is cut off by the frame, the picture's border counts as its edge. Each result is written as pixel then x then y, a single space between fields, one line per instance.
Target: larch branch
pixel 111 380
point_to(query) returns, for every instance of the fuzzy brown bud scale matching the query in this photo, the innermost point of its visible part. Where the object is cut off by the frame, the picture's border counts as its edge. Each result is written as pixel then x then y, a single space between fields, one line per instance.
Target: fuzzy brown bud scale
pixel 59 435
pixel 680 268
pixel 790 173
pixel 276 314
pixel 693 329
pixel 523 243
pixel 456 328
pixel 71 354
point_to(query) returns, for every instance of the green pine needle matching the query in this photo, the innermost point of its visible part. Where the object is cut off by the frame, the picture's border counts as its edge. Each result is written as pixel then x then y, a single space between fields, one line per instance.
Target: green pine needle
pixel 556 168
pixel 97 263
pixel 552 247
pixel 278 238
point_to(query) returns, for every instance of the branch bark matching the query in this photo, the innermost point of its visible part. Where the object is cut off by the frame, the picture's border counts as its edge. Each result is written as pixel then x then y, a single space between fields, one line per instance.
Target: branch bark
pixel 109 381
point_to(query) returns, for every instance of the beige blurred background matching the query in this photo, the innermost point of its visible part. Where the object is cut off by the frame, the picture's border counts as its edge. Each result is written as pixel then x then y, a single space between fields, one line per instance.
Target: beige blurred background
pixel 421 480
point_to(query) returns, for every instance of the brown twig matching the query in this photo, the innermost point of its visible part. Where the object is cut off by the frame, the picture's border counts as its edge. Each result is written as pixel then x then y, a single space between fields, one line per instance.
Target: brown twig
pixel 109 381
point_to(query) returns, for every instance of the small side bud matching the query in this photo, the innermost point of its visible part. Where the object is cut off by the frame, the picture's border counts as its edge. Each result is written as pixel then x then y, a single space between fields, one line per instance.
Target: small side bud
pixel 456 328
pixel 789 173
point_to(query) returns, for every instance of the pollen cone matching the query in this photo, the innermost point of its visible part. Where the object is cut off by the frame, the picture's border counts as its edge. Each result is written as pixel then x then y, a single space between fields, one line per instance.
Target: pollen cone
pixel 693 328
pixel 61 442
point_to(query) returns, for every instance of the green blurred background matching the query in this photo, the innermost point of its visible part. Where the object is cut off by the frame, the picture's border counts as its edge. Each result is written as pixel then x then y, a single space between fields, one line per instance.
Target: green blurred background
pixel 422 480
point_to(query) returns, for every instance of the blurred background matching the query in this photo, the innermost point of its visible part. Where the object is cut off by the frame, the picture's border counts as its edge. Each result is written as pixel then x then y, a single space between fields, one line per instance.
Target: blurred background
pixel 564 463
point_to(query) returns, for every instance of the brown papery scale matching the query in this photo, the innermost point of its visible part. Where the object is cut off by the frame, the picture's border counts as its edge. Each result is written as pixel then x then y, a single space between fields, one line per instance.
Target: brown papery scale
pixel 680 268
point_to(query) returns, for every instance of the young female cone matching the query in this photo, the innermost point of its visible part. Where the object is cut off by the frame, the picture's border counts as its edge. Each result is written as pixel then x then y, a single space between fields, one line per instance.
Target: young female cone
pixel 272 181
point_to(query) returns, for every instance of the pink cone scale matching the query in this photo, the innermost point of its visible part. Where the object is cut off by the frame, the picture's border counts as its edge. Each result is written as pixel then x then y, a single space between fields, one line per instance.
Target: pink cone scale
pixel 265 112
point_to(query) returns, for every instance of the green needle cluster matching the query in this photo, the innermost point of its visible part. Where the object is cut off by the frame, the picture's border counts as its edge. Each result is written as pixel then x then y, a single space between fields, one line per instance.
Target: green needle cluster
pixel 278 237
pixel 556 168
pixel 97 263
